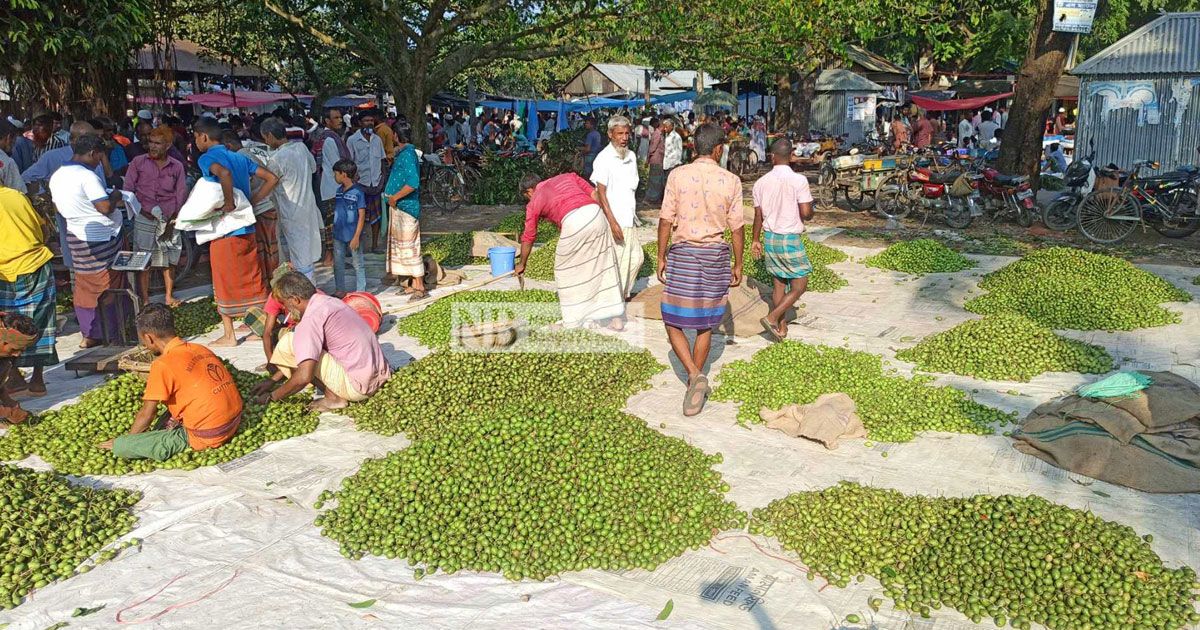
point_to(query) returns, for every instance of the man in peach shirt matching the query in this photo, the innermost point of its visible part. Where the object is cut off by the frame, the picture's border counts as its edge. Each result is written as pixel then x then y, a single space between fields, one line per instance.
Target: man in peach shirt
pixel 701 202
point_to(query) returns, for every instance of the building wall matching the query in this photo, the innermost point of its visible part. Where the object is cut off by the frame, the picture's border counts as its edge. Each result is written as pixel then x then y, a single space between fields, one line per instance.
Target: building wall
pixel 829 115
pixel 1133 117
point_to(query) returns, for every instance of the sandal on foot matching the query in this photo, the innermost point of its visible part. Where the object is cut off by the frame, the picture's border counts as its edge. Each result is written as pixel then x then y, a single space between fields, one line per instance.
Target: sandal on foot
pixel 772 332
pixel 13 415
pixel 696 396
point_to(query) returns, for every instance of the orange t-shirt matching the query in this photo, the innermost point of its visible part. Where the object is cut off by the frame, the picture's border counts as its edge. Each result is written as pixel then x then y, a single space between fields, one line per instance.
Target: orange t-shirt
pixel 197 389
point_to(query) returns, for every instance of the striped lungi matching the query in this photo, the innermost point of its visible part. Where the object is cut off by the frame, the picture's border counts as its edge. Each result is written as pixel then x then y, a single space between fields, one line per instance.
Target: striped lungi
pixel 372 214
pixel 697 291
pixel 32 295
pixel 147 234
pixel 266 235
pixel 237 274
pixel 404 244
pixel 91 261
pixel 585 269
pixel 784 256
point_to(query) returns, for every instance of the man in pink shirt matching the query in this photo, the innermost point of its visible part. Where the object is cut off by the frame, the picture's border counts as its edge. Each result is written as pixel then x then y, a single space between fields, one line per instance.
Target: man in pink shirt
pixel 701 202
pixel 782 203
pixel 331 347
pixel 923 131
pixel 159 182
pixel 585 262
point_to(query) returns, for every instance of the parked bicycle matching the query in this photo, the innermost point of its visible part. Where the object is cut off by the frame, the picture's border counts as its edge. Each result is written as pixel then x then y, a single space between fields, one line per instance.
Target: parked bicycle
pixel 1061 214
pixel 1166 203
pixel 442 184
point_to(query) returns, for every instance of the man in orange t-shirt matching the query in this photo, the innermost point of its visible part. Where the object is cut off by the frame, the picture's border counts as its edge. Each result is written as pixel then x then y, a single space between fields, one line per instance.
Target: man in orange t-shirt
pixel 199 392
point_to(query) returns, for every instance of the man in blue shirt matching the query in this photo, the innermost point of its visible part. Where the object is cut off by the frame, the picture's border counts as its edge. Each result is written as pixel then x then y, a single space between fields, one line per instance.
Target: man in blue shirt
pixel 53 159
pixel 238 284
pixel 592 144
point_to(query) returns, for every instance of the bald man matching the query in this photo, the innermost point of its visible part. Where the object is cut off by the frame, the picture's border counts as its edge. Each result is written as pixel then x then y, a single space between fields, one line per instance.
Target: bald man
pixel 38 174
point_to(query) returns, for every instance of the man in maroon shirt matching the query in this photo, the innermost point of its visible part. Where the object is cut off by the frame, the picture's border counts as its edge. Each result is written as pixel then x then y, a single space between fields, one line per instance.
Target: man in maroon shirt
pixel 585 264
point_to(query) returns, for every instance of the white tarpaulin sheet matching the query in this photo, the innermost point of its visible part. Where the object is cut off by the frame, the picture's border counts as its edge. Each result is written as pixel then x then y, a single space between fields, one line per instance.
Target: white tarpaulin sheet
pixel 234 545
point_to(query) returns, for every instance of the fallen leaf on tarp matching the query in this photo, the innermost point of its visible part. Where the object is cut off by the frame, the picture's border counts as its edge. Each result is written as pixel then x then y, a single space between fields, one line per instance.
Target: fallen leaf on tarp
pixel 1103 494
pixel 366 603
pixel 81 611
pixel 61 624
pixel 666 611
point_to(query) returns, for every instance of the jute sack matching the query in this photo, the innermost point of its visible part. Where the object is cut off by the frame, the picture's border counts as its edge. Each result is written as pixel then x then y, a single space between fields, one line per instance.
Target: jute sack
pixel 1149 441
pixel 827 420
pixel 748 303
pixel 482 241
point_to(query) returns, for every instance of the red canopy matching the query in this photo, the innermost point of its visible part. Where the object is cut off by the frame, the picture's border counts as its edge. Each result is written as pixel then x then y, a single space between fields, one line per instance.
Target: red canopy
pixel 934 105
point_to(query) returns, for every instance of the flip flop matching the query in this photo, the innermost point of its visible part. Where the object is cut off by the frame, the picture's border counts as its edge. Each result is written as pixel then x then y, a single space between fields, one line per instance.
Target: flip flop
pixel 13 415
pixel 696 396
pixel 771 331
pixel 417 296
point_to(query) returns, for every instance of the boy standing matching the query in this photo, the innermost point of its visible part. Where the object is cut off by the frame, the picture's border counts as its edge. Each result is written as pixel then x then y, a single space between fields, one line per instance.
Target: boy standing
pixel 701 202
pixel 782 203
pixel 349 216
pixel 203 402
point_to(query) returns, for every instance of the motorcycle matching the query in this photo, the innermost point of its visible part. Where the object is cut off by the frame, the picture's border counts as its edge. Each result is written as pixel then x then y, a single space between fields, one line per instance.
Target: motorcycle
pixel 952 196
pixel 1079 178
pixel 1005 195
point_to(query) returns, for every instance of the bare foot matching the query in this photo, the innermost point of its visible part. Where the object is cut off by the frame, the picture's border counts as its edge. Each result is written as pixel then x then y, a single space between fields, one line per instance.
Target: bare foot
pixel 252 337
pixel 325 404
pixel 173 303
pixel 224 342
pixel 37 388
pixel 616 324
pixel 90 343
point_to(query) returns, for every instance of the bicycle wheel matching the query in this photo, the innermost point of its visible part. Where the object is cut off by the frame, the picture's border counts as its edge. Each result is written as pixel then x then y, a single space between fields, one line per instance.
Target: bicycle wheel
pixel 444 191
pixel 892 200
pixel 859 199
pixel 1180 225
pixel 958 215
pixel 1107 216
pixel 827 185
pixel 1060 214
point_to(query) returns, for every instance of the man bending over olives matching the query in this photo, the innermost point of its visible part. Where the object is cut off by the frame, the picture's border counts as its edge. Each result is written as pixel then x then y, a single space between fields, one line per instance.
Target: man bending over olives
pixel 204 408
pixel 331 348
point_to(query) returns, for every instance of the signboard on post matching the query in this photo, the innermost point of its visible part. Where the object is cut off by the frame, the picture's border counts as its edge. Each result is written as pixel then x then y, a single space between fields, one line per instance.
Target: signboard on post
pixel 1074 16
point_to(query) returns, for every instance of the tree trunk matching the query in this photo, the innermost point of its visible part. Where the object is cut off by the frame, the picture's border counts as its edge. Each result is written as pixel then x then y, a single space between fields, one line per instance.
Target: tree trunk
pixel 415 101
pixel 1021 146
pixel 804 99
pixel 783 102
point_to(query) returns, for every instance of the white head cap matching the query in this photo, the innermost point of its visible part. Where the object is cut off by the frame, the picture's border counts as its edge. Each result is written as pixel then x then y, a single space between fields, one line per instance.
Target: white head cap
pixel 145 114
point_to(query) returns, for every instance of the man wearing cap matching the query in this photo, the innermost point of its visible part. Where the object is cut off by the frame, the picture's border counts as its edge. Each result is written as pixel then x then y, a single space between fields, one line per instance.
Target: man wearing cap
pixel 1060 121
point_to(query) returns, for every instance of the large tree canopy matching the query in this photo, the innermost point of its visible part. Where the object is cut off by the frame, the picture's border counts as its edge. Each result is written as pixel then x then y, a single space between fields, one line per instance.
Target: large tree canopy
pixel 60 55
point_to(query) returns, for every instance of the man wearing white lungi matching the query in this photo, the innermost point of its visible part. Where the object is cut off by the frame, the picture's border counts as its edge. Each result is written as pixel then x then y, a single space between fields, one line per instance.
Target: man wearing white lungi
pixel 585 260
pixel 299 219
pixel 615 174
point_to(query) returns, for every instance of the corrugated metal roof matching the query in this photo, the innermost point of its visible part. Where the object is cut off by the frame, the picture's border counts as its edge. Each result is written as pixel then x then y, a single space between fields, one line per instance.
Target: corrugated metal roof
pixel 632 78
pixel 841 80
pixel 1168 45
pixel 872 62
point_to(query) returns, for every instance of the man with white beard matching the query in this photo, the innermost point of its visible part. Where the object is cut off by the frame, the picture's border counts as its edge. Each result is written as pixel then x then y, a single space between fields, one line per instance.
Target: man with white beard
pixel 615 174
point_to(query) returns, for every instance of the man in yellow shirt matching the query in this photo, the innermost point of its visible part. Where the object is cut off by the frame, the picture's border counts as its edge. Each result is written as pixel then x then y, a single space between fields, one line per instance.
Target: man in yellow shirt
pixel 27 287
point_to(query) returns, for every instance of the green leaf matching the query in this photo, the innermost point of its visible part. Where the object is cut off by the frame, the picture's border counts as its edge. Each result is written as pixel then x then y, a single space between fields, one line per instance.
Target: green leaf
pixel 366 603
pixel 1102 494
pixel 81 611
pixel 666 611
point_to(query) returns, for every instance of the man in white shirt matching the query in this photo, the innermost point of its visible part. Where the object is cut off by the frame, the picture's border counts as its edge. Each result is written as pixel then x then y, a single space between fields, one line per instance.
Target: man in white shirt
pixel 92 232
pixel 966 129
pixel 299 219
pixel 987 130
pixel 330 147
pixel 10 175
pixel 366 149
pixel 615 174
pixel 673 151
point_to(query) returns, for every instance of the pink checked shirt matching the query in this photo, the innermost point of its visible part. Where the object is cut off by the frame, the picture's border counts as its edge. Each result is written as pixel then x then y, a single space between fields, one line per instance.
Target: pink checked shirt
pixel 702 201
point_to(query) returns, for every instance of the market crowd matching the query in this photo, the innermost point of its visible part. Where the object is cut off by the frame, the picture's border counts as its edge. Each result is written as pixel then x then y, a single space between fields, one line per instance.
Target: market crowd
pixel 307 192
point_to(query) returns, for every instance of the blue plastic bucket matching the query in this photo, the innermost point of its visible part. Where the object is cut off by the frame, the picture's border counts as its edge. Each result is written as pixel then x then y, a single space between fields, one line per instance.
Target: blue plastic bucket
pixel 503 259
